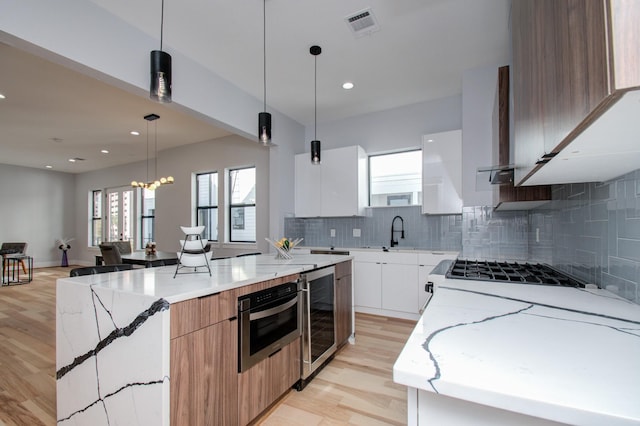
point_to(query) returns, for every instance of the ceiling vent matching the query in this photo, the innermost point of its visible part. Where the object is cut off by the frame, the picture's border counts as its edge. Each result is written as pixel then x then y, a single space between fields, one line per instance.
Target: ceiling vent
pixel 362 23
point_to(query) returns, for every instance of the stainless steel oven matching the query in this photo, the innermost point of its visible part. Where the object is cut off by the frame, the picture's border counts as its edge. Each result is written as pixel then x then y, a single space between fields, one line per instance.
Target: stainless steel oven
pixel 318 320
pixel 269 320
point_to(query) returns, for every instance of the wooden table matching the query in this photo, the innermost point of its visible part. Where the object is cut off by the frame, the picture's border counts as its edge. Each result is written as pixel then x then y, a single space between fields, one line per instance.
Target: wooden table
pixel 141 258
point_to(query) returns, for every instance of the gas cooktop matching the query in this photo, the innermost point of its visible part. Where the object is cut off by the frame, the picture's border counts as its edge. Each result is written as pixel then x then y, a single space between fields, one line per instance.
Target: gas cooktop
pixel 511 272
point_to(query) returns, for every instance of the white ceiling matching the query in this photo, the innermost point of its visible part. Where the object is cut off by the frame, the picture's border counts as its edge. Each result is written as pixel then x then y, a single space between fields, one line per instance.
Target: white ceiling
pixel 418 54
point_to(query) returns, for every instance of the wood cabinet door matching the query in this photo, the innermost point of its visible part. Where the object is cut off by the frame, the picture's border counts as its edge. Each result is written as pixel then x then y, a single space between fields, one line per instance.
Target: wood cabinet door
pixel 265 382
pixel 204 371
pixel 560 66
pixel 343 308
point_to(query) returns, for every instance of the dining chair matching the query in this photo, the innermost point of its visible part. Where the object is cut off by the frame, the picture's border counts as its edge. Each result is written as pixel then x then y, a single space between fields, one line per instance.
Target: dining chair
pixel 161 262
pixel 124 247
pixel 91 270
pixel 110 254
pixel 8 249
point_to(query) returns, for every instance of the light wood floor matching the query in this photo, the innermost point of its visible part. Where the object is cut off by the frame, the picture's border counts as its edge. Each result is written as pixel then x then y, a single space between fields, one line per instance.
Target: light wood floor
pixel 356 388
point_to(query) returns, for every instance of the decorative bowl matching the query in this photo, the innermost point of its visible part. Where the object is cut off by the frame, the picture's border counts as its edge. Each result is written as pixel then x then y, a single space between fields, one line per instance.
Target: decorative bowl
pixel 284 246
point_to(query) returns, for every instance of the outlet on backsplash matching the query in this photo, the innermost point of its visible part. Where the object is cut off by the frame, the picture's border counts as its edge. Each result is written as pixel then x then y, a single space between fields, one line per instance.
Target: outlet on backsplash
pixel 356 232
pixel 333 232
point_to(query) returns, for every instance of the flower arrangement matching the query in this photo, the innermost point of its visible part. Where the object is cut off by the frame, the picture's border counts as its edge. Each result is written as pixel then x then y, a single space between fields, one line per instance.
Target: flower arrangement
pixel 150 248
pixel 283 246
pixel 63 244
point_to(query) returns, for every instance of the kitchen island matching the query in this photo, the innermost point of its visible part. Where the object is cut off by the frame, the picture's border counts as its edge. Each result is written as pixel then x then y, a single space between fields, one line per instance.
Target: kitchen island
pixel 116 336
pixel 488 353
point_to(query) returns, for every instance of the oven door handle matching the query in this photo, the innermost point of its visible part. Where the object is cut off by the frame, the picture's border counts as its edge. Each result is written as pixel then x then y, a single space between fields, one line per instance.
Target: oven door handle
pixel 273 311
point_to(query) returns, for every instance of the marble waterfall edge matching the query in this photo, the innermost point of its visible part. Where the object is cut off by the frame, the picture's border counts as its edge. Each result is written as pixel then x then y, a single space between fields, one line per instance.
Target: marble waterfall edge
pixel 112 356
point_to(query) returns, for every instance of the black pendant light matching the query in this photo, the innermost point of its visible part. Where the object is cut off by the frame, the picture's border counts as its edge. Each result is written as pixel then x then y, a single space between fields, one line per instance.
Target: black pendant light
pixel 160 87
pixel 264 118
pixel 315 143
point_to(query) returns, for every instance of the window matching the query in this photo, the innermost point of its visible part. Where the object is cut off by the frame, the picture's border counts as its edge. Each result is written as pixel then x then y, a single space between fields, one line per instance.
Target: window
pixel 395 179
pixel 121 214
pixel 148 217
pixel 242 205
pixel 207 204
pixel 96 217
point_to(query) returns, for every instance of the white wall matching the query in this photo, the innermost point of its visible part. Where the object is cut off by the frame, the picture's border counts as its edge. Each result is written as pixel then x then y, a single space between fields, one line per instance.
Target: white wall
pixel 37 207
pixel 389 130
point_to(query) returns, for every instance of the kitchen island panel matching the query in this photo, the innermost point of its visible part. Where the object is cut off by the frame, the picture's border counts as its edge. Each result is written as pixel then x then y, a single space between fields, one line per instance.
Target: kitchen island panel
pixel 533 350
pixel 96 330
pixel 113 339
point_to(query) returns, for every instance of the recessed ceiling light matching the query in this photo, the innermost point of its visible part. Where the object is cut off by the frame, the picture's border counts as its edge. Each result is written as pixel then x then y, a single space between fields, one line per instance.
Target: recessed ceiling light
pixel 48 166
pixel 2 96
pixel 72 160
pixel 429 140
pixel 105 151
pixel 348 85
pixel 135 133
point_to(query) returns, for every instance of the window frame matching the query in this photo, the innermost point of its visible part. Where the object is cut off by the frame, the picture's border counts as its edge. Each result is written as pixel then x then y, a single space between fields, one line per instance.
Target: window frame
pixel 209 207
pixel 141 241
pixel 94 218
pixel 231 205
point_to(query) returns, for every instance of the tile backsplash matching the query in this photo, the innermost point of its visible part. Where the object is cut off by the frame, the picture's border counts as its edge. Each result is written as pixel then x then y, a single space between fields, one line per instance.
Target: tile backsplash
pixel 590 230
pixel 441 232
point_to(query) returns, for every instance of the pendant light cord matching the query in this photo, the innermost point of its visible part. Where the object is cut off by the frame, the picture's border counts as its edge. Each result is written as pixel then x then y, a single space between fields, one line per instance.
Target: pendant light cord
pixel 161 23
pixel 264 50
pixel 315 98
pixel 147 153
pixel 155 148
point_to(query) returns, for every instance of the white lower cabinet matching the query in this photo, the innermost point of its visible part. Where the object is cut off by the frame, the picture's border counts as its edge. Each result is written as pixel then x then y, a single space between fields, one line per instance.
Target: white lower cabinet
pixel 392 283
pixel 399 290
pixel 368 284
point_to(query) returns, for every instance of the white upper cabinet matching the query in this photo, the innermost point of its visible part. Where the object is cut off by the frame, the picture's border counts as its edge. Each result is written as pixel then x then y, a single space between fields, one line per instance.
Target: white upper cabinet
pixel 442 173
pixel 336 187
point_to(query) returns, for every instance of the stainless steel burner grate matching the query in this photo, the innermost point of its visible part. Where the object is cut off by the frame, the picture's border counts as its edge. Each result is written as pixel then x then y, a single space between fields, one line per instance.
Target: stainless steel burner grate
pixel 512 272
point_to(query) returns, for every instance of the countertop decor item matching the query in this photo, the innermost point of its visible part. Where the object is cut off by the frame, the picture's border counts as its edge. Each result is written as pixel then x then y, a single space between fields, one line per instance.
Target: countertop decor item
pixel 194 251
pixel 283 247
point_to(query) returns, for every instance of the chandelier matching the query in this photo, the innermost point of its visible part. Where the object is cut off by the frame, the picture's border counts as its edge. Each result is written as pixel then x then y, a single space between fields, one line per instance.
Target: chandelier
pixel 152 185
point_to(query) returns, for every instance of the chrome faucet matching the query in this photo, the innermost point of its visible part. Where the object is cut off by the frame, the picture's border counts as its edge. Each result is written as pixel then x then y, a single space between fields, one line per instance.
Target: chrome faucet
pixel 394 242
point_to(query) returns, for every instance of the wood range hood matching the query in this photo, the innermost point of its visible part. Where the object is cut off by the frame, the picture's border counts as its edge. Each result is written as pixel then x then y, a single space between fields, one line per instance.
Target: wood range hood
pixel 506 195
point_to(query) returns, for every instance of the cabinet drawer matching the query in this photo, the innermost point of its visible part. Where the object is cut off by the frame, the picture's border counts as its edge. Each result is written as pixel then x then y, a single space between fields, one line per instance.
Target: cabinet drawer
pixel 386 257
pixel 218 307
pixel 193 314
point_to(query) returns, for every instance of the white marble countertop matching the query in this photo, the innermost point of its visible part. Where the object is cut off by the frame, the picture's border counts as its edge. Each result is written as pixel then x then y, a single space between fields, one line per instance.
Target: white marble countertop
pixel 564 354
pixel 226 274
